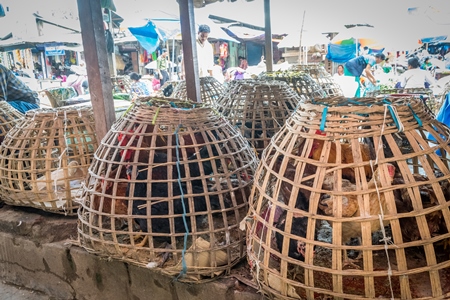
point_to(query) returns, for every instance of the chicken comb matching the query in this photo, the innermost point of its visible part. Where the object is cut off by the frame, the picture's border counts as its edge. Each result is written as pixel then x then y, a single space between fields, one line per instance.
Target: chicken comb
pixel 320 132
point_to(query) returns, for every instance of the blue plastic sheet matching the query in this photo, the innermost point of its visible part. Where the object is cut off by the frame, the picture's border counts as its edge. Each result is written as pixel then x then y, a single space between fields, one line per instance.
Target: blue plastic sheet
pixel 341 53
pixel 22 106
pixel 148 36
pixel 443 116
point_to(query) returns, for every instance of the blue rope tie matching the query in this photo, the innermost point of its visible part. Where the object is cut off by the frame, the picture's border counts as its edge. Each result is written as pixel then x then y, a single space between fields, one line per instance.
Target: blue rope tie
pixel 183 253
pixel 394 117
pixel 393 114
pixel 419 121
pixel 324 118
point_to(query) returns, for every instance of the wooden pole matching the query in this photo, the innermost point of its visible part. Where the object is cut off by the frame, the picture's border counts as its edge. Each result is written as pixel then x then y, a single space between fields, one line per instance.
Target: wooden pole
pixel 111 56
pixel 190 49
pixel 268 36
pixel 96 57
pixel 300 50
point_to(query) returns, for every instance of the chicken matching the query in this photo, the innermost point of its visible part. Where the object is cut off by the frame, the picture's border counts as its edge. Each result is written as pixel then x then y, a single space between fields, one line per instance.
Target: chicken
pixel 58 178
pixel 120 206
pixel 161 207
pixel 350 208
pixel 299 226
pixel 346 156
pixel 290 173
pixel 253 131
pixel 403 202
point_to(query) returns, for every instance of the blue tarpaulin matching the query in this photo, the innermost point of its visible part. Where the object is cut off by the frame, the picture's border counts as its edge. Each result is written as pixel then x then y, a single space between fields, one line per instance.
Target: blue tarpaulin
pixel 148 36
pixel 341 53
pixel 444 113
pixel 443 116
pixel 434 39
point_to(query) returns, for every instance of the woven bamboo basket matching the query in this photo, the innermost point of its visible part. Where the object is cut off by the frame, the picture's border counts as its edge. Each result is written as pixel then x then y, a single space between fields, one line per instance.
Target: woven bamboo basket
pixel 210 90
pixel 160 151
pixel 9 116
pixel 301 82
pixel 372 170
pixel 322 77
pixel 44 159
pixel 259 108
pixel 166 88
pixel 121 84
pixel 427 96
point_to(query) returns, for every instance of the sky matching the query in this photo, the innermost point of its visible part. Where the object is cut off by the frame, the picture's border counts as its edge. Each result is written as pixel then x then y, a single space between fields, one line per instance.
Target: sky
pixel 390 17
pixel 396 22
pixel 288 14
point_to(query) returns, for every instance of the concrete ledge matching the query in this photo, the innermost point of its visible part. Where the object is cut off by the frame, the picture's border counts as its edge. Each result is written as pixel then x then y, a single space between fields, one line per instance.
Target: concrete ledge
pixel 36 253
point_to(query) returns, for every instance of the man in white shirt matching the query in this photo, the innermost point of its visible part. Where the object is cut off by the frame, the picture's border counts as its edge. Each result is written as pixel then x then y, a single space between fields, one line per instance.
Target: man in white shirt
pixel 204 52
pixel 414 77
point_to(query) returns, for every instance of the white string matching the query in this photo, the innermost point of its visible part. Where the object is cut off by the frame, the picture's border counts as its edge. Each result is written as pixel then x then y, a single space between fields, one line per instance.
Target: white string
pixel 65 151
pixel 385 239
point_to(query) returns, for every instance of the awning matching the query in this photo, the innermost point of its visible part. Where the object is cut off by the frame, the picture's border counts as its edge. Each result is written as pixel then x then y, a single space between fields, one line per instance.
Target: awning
pixel 69 39
pixel 308 39
pixel 116 19
pixel 66 24
pixel 433 39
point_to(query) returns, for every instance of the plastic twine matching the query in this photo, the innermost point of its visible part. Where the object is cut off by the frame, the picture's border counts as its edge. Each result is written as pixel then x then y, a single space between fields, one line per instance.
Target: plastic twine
pixel 419 121
pixel 324 118
pixel 183 252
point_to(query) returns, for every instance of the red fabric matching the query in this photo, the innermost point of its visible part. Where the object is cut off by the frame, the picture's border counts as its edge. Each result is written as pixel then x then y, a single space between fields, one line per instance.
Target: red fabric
pixel 224 50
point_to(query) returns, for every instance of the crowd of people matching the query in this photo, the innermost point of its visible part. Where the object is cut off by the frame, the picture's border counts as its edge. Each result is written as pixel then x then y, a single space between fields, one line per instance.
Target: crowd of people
pixel 368 72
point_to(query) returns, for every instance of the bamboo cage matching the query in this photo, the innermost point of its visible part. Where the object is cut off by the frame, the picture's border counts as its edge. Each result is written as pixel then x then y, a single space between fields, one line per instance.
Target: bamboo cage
pixel 9 116
pixel 44 158
pixel 351 201
pixel 259 108
pixel 426 95
pixel 210 90
pixel 322 77
pixel 163 150
pixel 301 82
pixel 121 84
pixel 165 87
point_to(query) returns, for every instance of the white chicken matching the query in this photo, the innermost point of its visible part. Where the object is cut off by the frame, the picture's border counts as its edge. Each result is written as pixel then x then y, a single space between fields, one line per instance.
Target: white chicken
pixel 57 177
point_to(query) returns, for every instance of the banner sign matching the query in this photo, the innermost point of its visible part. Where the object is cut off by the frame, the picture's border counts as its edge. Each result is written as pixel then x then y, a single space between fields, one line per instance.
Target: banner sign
pixel 54 50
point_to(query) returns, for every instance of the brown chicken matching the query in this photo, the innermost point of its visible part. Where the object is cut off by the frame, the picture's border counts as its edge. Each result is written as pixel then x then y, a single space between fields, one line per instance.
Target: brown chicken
pixel 403 202
pixel 346 156
pixel 121 206
pixel 350 208
pixel 289 173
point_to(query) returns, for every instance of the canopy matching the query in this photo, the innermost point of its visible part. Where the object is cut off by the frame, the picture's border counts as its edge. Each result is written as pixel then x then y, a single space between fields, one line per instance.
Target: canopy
pixel 363 35
pixel 308 39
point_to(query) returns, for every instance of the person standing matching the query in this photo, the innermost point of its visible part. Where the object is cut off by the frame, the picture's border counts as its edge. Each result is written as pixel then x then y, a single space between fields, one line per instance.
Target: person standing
pixel 243 63
pixel 364 63
pixel 180 67
pixel 339 72
pixel 415 77
pixel 427 65
pixel 204 52
pixel 161 65
pixel 15 92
